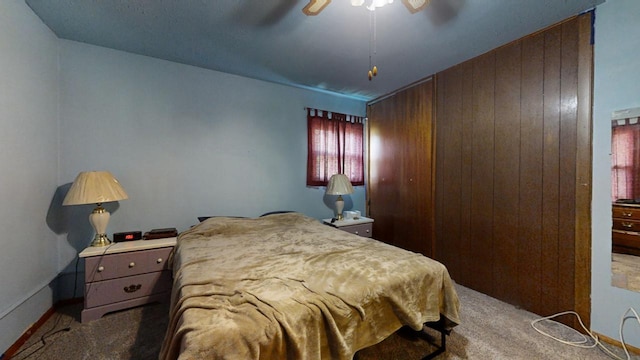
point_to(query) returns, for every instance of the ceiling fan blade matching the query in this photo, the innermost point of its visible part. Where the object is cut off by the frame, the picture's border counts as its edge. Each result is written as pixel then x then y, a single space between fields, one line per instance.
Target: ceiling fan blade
pixel 315 6
pixel 415 5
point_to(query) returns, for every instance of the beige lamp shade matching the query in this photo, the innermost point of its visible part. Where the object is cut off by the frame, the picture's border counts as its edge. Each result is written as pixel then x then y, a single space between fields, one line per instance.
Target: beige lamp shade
pixel 339 184
pixel 94 187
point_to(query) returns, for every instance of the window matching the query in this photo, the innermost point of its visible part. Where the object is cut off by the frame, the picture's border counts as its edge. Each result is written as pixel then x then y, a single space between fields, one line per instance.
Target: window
pixel 625 149
pixel 335 146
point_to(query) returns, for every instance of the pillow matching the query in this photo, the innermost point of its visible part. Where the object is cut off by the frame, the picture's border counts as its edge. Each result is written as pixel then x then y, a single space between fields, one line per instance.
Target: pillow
pixel 276 212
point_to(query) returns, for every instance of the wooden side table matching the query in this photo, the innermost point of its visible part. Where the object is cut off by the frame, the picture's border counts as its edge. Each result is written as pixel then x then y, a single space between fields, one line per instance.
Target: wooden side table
pixel 625 232
pixel 363 226
pixel 126 274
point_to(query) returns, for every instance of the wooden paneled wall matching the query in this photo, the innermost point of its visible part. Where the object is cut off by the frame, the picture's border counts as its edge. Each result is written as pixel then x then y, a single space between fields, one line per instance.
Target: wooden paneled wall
pixel 513 170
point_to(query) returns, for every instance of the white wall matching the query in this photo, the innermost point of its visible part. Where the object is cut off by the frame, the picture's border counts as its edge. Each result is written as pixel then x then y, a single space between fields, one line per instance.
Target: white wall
pixel 186 142
pixel 616 87
pixel 28 159
pixel 183 141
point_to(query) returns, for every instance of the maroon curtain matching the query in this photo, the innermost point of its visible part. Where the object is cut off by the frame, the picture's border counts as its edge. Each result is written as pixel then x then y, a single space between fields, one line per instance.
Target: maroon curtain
pixel 335 146
pixel 625 158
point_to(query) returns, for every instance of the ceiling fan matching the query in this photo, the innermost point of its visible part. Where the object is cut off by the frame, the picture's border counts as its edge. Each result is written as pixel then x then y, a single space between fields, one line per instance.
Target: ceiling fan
pixel 314 7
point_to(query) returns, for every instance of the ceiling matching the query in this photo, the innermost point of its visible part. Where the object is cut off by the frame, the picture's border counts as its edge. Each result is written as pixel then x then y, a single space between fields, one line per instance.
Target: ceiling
pixel 273 40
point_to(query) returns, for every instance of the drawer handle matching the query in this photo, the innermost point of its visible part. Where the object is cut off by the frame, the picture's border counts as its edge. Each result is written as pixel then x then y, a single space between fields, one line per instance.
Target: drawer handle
pixel 159 260
pixel 356 232
pixel 627 214
pixel 368 231
pixel 132 288
pixel 132 264
pixel 627 225
pixel 100 268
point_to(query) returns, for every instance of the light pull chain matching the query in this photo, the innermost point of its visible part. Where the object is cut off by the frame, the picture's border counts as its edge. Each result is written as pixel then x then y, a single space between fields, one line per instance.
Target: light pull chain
pixel 373 69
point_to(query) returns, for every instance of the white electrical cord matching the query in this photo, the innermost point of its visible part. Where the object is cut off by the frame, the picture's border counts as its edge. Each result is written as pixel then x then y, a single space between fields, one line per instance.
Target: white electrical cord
pixel 622 320
pixel 584 342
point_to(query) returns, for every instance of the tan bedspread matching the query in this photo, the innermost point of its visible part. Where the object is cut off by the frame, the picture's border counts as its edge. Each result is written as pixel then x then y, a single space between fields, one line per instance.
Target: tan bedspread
pixel 289 287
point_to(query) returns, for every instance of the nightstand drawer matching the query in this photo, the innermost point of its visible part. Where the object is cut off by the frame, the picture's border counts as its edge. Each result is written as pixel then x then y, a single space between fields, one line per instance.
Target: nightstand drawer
pixel 364 230
pixel 98 268
pixel 626 212
pixel 112 291
pixel 626 225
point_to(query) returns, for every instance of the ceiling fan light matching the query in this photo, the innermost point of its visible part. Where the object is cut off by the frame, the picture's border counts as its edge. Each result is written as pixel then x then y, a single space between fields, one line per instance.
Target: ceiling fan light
pixel 378 3
pixel 381 3
pixel 314 7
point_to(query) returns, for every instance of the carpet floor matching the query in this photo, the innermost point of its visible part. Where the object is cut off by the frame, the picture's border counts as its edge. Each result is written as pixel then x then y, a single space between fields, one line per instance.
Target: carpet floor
pixel 626 271
pixel 490 329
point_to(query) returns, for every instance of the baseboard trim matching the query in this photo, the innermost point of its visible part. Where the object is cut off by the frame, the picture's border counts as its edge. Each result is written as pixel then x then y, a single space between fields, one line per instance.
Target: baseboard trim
pixel 11 351
pixel 611 341
pixel 28 297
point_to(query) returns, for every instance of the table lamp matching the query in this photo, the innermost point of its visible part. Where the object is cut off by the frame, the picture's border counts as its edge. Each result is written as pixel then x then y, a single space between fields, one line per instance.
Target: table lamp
pixel 96 187
pixel 339 184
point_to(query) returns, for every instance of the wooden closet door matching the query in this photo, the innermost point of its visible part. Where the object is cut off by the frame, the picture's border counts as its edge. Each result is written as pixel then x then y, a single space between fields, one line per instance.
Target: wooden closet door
pixel 400 168
pixel 383 191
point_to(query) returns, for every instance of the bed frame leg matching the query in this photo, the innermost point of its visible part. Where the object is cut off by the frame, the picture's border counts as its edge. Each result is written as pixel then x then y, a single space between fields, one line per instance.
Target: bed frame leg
pixel 439 326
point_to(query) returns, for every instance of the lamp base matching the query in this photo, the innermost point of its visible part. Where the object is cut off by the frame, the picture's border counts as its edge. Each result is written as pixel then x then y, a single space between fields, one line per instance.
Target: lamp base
pixel 339 207
pixel 99 219
pixel 100 240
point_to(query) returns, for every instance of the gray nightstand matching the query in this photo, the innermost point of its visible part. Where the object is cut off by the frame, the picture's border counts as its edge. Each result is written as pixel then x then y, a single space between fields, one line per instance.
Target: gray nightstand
pixel 363 226
pixel 126 274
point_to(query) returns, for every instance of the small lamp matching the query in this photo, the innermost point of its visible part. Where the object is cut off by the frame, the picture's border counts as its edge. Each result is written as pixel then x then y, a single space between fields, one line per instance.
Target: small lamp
pixel 96 187
pixel 339 184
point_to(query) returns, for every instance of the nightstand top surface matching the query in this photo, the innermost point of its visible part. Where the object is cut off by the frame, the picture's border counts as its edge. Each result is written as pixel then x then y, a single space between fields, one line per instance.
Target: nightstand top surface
pixel 126 246
pixel 339 223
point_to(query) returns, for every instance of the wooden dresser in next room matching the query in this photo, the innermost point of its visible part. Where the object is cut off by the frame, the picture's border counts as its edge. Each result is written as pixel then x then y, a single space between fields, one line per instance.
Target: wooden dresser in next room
pixel 626 228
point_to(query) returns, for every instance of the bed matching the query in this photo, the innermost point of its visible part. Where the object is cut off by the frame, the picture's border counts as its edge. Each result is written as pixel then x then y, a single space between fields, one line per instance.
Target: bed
pixel 285 286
